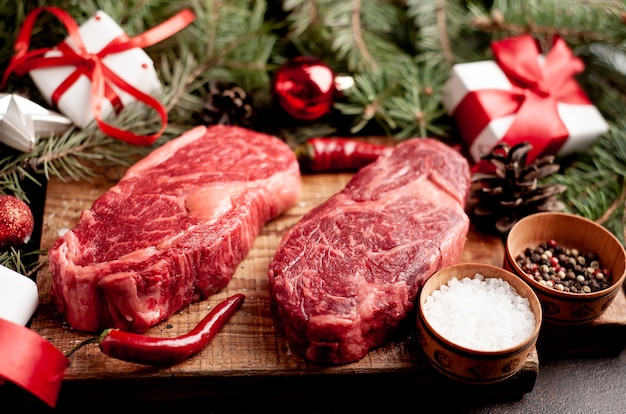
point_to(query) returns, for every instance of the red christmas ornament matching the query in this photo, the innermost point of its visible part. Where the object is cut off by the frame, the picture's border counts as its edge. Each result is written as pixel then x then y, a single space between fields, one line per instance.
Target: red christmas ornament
pixel 16 222
pixel 305 88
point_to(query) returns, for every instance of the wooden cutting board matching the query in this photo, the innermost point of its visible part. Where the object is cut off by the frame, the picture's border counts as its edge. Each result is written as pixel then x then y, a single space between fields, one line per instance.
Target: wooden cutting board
pixel 248 357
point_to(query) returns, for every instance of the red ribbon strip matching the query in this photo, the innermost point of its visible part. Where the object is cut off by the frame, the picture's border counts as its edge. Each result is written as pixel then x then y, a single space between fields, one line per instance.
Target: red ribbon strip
pixel 102 78
pixel 28 360
pixel 536 90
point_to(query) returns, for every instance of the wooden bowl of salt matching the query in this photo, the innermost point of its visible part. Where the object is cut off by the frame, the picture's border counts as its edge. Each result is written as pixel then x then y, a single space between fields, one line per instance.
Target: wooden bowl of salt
pixel 477 323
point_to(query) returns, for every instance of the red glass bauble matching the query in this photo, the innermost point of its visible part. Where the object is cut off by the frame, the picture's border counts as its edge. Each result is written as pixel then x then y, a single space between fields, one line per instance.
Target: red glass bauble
pixel 304 87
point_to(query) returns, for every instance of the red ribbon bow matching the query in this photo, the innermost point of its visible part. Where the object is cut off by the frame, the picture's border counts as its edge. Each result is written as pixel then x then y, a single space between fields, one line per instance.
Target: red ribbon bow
pixel 536 90
pixel 102 78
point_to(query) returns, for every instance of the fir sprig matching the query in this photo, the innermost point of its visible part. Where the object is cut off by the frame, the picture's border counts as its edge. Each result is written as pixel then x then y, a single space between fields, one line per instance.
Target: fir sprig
pixel 22 261
pixel 435 23
pixel 596 181
pixel 575 20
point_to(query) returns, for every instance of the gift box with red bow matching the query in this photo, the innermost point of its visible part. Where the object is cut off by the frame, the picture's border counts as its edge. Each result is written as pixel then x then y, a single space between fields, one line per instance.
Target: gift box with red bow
pixel 134 66
pixel 523 96
pixel 97 70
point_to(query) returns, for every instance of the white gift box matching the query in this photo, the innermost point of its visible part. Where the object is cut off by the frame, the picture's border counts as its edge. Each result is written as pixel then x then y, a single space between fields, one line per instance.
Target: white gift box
pixel 583 122
pixel 19 296
pixel 134 66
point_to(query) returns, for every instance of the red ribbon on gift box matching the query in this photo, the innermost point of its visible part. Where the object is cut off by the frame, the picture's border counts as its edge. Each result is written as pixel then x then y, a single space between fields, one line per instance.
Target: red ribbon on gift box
pixel 91 65
pixel 30 361
pixel 536 90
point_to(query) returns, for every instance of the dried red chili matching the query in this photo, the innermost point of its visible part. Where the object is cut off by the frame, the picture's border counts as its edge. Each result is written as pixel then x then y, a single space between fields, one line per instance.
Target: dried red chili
pixel 143 349
pixel 331 154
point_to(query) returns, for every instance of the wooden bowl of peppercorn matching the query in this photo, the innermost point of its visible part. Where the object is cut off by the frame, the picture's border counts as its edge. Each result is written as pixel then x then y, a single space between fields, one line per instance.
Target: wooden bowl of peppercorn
pixel 575 266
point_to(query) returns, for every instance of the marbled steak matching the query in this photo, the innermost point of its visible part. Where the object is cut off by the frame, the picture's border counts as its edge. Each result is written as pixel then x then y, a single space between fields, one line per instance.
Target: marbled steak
pixel 347 274
pixel 173 230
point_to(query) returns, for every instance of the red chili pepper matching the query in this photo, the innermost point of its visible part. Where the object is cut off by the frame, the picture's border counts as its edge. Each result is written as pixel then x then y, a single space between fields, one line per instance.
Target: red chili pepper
pixel 142 349
pixel 328 154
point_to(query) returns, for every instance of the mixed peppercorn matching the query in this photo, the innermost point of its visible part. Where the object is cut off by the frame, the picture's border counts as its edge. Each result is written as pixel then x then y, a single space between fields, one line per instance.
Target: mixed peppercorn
pixel 564 269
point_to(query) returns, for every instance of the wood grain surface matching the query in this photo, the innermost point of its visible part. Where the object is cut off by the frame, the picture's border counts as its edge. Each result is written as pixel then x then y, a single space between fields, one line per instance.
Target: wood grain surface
pixel 249 356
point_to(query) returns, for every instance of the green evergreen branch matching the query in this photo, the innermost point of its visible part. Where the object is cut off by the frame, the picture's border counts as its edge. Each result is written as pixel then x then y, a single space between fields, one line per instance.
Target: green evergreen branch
pixel 434 21
pixel 596 181
pixel 367 101
pixel 575 20
pixel 21 261
pixel 349 42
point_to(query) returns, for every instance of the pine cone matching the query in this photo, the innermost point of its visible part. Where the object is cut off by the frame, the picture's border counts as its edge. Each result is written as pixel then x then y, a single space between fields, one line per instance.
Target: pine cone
pixel 512 191
pixel 227 104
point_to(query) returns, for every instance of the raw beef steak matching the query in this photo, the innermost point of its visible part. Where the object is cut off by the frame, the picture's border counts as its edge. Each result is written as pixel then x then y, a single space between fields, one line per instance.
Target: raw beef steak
pixel 173 230
pixel 347 274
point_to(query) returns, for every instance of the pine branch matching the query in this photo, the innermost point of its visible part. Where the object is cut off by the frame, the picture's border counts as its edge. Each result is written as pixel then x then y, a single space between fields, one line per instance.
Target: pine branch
pixel 355 26
pixel 366 101
pixel 596 181
pixel 24 262
pixel 575 20
pixel 436 22
pixel 355 36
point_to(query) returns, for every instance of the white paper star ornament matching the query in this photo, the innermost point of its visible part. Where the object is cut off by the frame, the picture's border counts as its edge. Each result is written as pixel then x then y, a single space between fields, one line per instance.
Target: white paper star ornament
pixel 23 121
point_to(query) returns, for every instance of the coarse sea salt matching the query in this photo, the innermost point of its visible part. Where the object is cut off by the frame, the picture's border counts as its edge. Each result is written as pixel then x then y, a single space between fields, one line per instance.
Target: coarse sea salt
pixel 484 314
